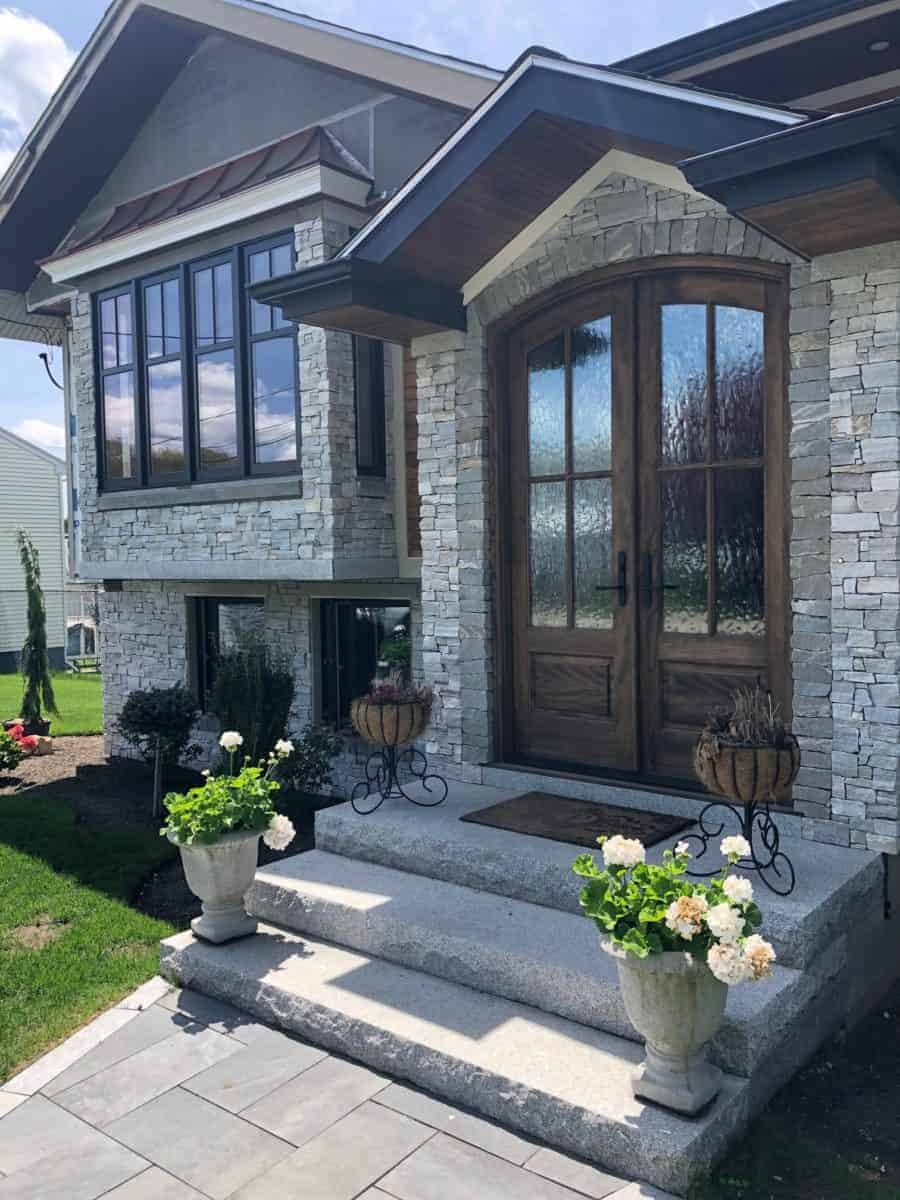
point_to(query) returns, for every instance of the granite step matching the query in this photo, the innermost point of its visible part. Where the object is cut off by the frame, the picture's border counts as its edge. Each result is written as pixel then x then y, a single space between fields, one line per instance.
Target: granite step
pixel 538 1074
pixel 837 889
pixel 539 956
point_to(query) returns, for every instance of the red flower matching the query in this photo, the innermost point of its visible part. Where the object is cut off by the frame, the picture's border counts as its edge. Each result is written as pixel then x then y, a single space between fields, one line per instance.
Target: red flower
pixel 17 732
pixel 29 743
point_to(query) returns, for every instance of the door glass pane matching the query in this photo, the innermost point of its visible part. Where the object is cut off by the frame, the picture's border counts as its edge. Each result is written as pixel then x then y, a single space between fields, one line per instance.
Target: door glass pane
pixel 108 332
pixel 153 320
pixel 739 383
pixel 172 312
pixel 203 306
pixel 118 417
pixel 549 602
pixel 125 330
pixel 592 396
pixel 683 416
pixel 740 552
pixel 217 415
pixel 224 303
pixel 683 508
pixel 592 500
pixel 274 401
pixel 166 418
pixel 547 407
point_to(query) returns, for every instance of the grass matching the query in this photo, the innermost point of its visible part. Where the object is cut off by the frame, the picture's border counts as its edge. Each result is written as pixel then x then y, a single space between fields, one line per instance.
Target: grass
pixel 70 945
pixel 78 698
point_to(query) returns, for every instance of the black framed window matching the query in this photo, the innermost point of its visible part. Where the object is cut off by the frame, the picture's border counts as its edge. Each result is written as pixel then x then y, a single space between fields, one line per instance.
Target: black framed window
pixel 353 632
pixel 371 451
pixel 210 388
pixel 219 623
pixel 117 372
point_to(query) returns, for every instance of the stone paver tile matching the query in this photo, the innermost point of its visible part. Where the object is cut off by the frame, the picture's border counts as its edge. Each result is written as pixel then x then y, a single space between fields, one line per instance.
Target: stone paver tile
pixel 212 1150
pixel 254 1072
pixel 117 1090
pixel 9 1101
pixel 84 1172
pixel 641 1191
pixel 34 1130
pixel 589 1181
pixel 142 1030
pixel 222 1017
pixel 51 1065
pixel 305 1107
pixel 154 1184
pixel 465 1126
pixel 445 1169
pixel 343 1160
pixel 147 994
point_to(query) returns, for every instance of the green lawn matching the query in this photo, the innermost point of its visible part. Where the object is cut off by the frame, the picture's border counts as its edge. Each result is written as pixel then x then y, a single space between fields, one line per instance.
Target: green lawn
pixel 77 696
pixel 70 945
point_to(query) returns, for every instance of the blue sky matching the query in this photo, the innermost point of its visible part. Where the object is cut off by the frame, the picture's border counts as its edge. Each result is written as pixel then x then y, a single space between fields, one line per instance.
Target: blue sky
pixel 39 38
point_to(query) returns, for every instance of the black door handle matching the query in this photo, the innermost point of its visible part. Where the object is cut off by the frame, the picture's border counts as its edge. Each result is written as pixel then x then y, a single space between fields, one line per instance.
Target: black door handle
pixel 621 584
pixel 648 587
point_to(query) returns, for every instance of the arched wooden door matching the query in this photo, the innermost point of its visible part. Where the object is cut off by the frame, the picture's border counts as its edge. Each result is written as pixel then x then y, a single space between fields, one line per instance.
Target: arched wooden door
pixel 647 574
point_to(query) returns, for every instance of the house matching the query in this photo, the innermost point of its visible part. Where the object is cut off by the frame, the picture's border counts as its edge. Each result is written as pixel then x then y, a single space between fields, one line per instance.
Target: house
pixel 586 375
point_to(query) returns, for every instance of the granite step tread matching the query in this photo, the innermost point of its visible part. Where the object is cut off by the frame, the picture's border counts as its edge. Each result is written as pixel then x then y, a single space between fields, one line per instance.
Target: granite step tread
pixel 539 1074
pixel 542 957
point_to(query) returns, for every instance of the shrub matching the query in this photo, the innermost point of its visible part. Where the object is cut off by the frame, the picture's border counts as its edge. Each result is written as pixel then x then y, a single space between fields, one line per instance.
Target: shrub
pixel 163 717
pixel 253 692
pixel 751 719
pixel 38 696
pixel 396 652
pixel 308 767
pixel 11 752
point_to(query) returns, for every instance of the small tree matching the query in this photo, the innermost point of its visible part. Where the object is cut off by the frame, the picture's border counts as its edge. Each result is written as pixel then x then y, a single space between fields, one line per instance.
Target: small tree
pixel 38 696
pixel 158 724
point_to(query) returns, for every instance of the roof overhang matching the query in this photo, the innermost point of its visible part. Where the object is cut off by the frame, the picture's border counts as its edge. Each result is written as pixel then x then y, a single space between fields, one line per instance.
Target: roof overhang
pixel 831 185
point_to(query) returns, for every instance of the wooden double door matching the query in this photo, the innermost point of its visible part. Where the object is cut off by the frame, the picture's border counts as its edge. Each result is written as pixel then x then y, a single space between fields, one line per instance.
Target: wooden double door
pixel 645 527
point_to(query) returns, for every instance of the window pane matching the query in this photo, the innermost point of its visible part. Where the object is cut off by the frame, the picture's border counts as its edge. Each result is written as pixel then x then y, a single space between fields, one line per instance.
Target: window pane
pixel 203 308
pixel 592 499
pixel 547 407
pixel 683 416
pixel 260 314
pixel 549 601
pixel 592 396
pixel 216 407
pixel 224 303
pixel 274 401
pixel 684 551
pixel 239 621
pixel 118 417
pixel 108 334
pixel 739 383
pixel 172 307
pixel 370 427
pixel 740 552
pixel 282 264
pixel 164 401
pixel 352 634
pixel 153 321
pixel 125 330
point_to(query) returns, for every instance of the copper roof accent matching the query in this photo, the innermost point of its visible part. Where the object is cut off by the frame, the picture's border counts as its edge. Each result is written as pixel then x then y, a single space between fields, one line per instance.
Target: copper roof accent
pixel 298 150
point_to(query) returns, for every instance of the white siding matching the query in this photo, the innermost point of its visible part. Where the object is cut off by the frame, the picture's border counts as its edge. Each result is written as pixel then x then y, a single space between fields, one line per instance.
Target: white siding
pixel 30 499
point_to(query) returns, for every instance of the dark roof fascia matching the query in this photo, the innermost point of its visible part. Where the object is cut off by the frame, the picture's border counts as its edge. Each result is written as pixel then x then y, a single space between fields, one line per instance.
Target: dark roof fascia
pixel 641 114
pixel 738 34
pixel 352 282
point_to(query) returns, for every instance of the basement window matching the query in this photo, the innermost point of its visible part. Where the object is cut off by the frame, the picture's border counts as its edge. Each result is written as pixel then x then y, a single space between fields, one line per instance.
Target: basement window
pixel 353 632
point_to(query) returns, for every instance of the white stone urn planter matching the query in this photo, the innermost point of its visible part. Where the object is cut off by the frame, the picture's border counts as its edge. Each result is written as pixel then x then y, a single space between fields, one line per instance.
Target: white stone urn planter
pixel 677 1005
pixel 220 874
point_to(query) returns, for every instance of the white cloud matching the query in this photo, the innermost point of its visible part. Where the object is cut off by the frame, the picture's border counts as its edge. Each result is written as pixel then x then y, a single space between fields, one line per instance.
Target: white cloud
pixel 46 434
pixel 33 60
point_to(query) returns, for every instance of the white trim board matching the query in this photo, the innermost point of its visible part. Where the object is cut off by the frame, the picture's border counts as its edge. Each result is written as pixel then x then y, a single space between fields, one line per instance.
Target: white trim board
pixel 290 189
pixel 856 90
pixel 614 162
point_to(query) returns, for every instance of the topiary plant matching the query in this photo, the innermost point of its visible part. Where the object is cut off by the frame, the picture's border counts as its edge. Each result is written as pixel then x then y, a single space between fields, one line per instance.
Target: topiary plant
pixel 38 696
pixel 160 718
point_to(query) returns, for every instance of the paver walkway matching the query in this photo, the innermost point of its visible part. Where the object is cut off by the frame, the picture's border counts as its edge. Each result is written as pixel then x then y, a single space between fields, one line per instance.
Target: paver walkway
pixel 172 1096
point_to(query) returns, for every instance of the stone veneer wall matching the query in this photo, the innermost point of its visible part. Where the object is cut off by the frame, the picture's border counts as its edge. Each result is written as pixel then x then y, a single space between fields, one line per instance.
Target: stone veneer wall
pixel 844 449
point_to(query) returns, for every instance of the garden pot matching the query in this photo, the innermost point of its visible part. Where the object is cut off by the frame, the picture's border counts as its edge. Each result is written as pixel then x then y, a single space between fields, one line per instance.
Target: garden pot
pixel 677 1005
pixel 29 728
pixel 220 874
pixel 747 774
pixel 389 724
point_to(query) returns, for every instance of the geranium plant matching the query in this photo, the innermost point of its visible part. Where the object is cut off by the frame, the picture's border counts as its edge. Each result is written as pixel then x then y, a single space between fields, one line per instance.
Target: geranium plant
pixel 232 802
pixel 645 909
pixel 11 749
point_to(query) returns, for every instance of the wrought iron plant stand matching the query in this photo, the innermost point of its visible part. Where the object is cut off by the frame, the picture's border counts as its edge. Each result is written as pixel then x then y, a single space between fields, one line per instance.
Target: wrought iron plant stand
pixel 391 727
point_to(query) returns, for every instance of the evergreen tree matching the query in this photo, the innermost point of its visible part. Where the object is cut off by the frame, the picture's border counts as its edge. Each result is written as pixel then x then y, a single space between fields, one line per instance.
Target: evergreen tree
pixel 38 695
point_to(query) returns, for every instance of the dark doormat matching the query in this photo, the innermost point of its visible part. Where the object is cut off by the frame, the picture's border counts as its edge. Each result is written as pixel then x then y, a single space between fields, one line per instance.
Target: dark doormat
pixel 580 822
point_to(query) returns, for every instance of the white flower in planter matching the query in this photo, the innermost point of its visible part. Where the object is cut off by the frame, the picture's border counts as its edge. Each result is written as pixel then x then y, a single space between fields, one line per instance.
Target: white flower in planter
pixel 759 956
pixel 738 890
pixel 620 851
pixel 725 923
pixel 283 747
pixel 280 833
pixel 682 849
pixel 728 964
pixel 230 740
pixel 685 916
pixel 735 847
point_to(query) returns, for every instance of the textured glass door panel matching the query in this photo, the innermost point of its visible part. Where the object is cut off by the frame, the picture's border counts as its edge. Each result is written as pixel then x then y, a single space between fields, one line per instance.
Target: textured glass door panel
pixel 547 549
pixel 592 396
pixel 216 404
pixel 683 420
pixel 592 514
pixel 739 383
pixel 547 408
pixel 740 552
pixel 166 418
pixel 683 509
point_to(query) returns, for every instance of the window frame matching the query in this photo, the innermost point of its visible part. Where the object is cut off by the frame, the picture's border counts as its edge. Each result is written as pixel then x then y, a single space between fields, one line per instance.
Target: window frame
pixel 101 374
pixel 377 400
pixel 163 479
pixel 233 344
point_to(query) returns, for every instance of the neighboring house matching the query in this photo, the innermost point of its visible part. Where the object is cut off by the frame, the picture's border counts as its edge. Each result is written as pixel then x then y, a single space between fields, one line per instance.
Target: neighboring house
pixel 32 490
pixel 588 376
